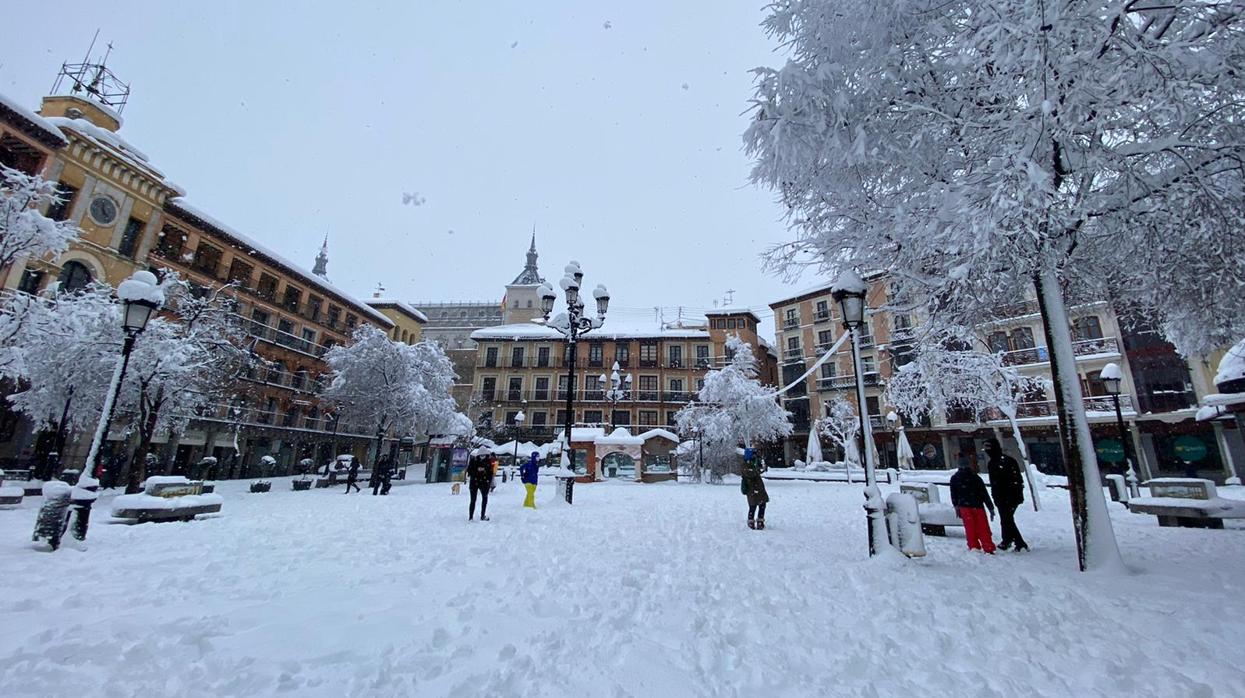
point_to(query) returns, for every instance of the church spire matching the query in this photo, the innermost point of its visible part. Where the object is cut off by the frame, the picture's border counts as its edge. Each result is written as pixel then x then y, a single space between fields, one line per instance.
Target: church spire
pixel 530 276
pixel 321 269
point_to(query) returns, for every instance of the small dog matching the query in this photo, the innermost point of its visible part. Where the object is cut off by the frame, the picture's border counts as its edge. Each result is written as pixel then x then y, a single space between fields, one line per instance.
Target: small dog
pixel 456 488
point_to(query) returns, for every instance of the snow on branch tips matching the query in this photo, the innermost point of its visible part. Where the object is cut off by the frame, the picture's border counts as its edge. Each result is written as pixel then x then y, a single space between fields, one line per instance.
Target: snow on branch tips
pixel 24 231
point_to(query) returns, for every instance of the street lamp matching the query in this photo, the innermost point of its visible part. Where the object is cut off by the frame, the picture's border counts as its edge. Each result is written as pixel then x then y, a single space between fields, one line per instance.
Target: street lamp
pixel 1112 378
pixel 518 429
pixel 620 388
pixel 849 292
pixel 571 325
pixel 141 295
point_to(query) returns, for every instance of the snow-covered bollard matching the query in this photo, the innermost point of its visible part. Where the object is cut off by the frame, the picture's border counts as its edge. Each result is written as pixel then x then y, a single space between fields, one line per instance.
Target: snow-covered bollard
pixel 903 521
pixel 10 496
pixel 50 524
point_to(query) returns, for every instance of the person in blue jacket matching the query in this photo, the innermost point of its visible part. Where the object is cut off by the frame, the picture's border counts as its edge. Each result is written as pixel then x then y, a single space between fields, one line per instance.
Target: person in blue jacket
pixel 527 475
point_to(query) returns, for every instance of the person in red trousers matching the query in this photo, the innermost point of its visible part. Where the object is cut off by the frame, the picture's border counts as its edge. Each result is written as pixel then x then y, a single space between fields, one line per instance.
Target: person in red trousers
pixel 970 499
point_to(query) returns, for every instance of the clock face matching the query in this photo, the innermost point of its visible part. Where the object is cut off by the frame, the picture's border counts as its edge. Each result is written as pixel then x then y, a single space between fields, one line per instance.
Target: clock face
pixel 103 210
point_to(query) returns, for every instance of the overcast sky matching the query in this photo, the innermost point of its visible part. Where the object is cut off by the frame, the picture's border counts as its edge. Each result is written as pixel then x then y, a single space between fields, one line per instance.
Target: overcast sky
pixel 616 131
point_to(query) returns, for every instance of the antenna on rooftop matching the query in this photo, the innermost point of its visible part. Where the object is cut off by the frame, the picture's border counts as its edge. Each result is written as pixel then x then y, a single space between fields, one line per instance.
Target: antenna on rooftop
pixel 380 291
pixel 730 297
pixel 95 80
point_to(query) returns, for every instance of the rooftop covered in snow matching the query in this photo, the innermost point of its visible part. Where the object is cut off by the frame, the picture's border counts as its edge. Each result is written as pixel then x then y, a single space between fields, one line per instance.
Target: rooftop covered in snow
pixel 400 305
pixel 180 208
pixel 32 124
pixel 621 328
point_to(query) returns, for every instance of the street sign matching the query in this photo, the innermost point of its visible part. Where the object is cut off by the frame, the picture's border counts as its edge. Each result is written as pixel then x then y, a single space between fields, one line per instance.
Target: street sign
pixel 1110 450
pixel 1189 448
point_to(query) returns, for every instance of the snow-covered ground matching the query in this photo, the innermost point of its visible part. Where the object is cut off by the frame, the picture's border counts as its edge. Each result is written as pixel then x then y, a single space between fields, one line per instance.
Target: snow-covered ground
pixel 637 590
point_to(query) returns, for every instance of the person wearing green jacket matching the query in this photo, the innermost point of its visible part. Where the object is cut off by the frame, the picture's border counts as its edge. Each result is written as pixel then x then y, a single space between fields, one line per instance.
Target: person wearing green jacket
pixel 753 487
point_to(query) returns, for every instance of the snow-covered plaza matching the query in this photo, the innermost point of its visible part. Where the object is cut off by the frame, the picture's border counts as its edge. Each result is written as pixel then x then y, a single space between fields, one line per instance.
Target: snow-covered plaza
pixel 635 590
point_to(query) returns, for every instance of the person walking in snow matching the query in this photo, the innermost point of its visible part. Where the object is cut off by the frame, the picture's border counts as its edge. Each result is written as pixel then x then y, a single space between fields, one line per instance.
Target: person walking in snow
pixel 970 499
pixel 479 480
pixel 527 475
pixel 352 475
pixel 1008 488
pixel 378 475
pixel 753 487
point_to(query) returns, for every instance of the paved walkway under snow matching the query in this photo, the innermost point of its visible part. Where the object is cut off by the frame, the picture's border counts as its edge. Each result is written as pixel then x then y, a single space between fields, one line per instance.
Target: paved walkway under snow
pixel 637 590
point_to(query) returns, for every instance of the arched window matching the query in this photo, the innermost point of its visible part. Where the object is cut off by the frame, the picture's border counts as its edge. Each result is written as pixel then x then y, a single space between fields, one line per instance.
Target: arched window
pixel 74 276
pixel 404 335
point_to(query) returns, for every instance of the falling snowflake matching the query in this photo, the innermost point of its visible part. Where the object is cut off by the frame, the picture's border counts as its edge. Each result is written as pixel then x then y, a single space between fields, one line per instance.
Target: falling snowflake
pixel 607 25
pixel 515 44
pixel 413 199
pixel 686 86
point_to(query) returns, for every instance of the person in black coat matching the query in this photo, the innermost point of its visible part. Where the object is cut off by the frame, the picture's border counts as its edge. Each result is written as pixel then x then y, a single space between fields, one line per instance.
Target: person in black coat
pixel 352 475
pixel 970 499
pixel 479 479
pixel 1008 486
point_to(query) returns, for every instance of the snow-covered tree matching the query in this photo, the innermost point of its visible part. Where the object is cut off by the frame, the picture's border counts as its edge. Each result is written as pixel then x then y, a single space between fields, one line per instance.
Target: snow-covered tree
pixel 24 231
pixel 940 378
pixel 733 409
pixel 1086 147
pixel 840 423
pixel 184 365
pixel 395 387
pixel 63 355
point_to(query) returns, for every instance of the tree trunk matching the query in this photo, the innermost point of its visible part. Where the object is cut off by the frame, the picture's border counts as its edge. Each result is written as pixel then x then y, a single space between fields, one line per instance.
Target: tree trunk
pixel 138 466
pixel 1095 539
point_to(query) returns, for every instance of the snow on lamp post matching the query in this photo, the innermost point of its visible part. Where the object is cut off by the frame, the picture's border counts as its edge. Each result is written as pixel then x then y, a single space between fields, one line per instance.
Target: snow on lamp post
pixel 849 292
pixel 571 325
pixel 619 389
pixel 1112 378
pixel 518 430
pixel 142 296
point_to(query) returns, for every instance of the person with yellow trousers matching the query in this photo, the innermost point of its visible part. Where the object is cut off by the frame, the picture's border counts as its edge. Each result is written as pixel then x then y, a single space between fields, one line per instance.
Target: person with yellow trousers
pixel 527 475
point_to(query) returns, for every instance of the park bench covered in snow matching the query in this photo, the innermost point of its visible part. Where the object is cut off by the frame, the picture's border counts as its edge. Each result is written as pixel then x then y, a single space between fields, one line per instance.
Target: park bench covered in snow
pixel 1188 502
pixel 935 516
pixel 165 498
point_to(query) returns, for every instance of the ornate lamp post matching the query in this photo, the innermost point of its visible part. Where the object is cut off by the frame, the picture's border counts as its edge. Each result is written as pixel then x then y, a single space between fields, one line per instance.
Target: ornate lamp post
pixel 1112 378
pixel 619 390
pixel 141 294
pixel 571 325
pixel 849 292
pixel 518 429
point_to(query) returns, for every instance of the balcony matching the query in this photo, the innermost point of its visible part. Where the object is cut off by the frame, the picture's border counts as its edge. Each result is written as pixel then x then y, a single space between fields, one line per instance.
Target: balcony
pixel 648 396
pixel 791 324
pixel 1081 349
pixel 272 335
pixel 675 363
pixel 847 382
pixel 648 363
pixel 823 348
pixel 622 362
pixel 1014 310
pixel 597 362
pixel 704 363
pixel 866 341
pixel 821 316
pixel 1101 404
pixel 676 396
pixel 793 355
